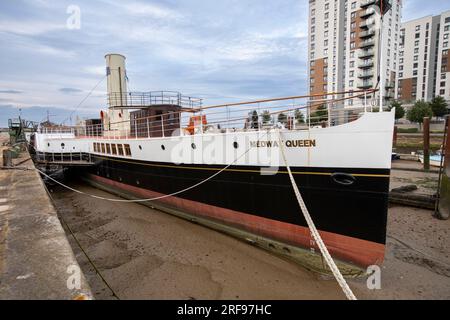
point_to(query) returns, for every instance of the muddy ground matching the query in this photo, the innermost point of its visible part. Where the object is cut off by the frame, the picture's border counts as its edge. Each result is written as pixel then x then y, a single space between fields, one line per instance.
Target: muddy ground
pixel 147 254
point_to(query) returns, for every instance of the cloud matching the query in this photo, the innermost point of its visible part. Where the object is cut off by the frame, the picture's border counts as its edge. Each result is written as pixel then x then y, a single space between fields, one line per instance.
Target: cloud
pixel 30 27
pixel 70 90
pixel 11 91
pixel 95 70
pixel 149 10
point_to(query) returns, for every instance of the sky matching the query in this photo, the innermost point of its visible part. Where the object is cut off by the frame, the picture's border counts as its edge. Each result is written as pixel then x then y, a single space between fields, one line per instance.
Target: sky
pixel 221 50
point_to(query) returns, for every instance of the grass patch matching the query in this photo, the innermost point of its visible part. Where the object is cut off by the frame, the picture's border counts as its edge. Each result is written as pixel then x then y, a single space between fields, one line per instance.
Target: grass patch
pixel 407 130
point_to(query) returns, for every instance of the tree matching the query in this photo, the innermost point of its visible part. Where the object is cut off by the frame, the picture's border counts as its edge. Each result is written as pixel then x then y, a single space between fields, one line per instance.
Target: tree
pixel 420 110
pixel 252 120
pixel 439 106
pixel 266 117
pixel 321 114
pixel 399 110
pixel 299 116
pixel 282 118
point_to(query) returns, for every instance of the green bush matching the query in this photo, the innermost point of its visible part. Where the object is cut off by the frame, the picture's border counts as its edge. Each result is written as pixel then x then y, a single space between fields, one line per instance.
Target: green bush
pixel 407 130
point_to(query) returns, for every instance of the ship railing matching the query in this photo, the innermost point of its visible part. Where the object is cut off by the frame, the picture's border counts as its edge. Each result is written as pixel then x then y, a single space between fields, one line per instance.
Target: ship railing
pixel 64 158
pixel 291 113
pixel 147 99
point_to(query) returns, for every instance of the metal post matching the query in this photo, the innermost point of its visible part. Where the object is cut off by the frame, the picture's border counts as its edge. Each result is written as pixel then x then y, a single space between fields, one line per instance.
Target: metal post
pixel 365 101
pixel 135 129
pixel 162 124
pixel 148 129
pixel 395 137
pixel 426 143
pixel 329 114
pixel 381 73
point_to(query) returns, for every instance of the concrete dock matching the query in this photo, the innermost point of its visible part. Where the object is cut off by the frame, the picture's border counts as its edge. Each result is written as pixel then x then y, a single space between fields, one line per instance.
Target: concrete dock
pixel 142 253
pixel 36 259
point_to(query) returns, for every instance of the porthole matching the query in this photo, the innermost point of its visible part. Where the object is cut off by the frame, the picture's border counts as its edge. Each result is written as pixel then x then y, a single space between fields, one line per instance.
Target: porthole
pixel 48 144
pixel 62 145
pixel 193 146
pixel 235 145
pixel 163 147
pixel 73 148
pixel 140 147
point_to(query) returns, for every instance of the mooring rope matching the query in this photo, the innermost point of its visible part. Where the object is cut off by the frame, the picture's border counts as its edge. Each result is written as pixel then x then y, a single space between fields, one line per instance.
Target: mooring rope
pixel 155 198
pixel 315 234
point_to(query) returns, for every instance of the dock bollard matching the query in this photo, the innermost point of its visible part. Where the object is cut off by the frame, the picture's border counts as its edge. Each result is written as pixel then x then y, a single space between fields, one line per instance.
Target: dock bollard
pixel 426 143
pixel 7 158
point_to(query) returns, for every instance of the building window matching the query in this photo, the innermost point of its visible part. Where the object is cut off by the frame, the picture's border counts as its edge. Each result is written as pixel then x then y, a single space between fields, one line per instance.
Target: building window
pixel 127 150
pixel 417 28
pixel 354 5
pixel 442 92
pixel 113 149
pixel 120 150
pixel 417 35
pixel 416 43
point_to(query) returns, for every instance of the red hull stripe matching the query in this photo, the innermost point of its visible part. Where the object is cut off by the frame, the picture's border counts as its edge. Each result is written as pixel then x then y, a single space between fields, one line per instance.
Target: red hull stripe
pixel 360 252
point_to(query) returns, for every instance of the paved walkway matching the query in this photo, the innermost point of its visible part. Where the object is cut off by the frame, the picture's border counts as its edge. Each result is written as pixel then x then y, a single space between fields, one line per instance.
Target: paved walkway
pixel 36 260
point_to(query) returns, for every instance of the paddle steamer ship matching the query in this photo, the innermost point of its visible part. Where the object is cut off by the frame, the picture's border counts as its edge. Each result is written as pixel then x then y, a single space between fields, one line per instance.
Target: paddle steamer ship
pixel 227 172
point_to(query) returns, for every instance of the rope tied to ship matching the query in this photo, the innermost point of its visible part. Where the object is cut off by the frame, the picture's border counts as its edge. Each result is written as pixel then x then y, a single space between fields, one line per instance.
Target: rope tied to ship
pixel 314 232
pixel 149 199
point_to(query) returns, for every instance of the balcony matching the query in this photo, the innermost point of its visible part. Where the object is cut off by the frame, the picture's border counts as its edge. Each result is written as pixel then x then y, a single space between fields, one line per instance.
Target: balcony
pixel 366 74
pixel 367 43
pixel 366 53
pixel 367 3
pixel 390 84
pixel 367 13
pixel 365 84
pixel 365 64
pixel 367 33
pixel 389 94
pixel 367 23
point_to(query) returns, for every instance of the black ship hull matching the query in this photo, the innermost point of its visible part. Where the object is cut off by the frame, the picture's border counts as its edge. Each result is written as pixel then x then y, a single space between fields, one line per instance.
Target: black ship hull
pixel 348 205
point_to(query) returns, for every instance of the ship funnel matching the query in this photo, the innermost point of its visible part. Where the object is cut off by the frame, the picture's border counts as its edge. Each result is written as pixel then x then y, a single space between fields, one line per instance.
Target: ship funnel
pixel 116 80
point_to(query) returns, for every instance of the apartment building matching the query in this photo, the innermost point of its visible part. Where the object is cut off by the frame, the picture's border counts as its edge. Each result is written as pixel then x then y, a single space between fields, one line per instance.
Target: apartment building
pixel 424 69
pixel 344 48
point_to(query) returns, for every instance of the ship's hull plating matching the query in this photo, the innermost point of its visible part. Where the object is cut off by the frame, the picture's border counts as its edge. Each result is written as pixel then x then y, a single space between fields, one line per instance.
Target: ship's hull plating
pixel 351 218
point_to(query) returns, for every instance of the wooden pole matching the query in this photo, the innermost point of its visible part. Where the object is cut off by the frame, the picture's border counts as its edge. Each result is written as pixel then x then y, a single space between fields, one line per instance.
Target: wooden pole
pixel 447 145
pixel 426 143
pixel 395 137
